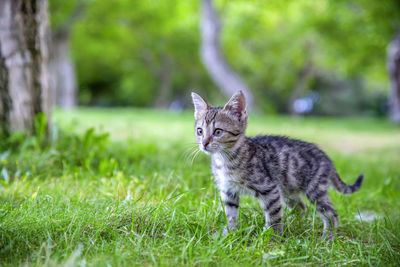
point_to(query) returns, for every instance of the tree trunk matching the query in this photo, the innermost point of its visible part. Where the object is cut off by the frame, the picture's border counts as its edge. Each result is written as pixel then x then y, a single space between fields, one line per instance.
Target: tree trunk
pixel 63 76
pixel 24 81
pixel 226 79
pixel 393 65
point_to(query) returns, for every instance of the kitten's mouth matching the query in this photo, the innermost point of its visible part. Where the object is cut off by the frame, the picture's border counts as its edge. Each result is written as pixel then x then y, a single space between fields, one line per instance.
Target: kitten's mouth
pixel 208 150
pixel 205 150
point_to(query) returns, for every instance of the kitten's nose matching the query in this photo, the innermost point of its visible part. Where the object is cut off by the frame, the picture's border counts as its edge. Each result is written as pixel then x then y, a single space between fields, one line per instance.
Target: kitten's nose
pixel 205 142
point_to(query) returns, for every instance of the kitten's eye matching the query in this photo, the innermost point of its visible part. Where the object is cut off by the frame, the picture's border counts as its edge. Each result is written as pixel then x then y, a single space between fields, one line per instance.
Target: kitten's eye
pixel 218 132
pixel 199 131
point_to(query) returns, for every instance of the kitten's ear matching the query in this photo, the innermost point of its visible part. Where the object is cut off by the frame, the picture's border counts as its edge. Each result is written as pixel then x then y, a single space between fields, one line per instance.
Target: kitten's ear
pixel 237 105
pixel 200 105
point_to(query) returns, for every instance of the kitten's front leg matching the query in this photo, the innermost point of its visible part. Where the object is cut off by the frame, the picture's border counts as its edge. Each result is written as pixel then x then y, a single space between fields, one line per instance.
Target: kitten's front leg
pixel 231 204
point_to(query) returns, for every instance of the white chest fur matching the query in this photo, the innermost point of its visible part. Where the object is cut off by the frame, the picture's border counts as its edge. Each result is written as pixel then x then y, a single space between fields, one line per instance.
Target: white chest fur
pixel 228 179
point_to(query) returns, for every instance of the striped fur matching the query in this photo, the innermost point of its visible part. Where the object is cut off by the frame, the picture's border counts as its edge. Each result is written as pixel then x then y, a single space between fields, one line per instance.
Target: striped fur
pixel 271 168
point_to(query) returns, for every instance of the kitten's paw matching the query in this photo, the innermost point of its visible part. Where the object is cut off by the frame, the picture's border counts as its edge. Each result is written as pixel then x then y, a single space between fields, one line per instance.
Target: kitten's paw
pixel 328 236
pixel 227 230
pixel 276 234
pixel 303 213
pixel 267 228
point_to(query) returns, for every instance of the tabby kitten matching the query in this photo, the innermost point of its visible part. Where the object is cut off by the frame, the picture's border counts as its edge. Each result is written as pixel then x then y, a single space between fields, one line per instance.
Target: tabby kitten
pixel 271 168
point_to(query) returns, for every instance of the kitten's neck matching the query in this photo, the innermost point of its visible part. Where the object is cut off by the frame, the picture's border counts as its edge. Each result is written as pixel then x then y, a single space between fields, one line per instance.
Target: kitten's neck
pixel 240 142
pixel 236 150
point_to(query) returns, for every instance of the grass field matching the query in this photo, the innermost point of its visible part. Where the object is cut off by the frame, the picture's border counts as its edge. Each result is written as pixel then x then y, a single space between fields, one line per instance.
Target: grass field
pixel 138 197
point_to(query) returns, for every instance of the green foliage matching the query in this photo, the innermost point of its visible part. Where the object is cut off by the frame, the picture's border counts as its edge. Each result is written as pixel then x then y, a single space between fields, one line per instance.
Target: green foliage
pixel 124 48
pixel 60 11
pixel 40 127
pixel 270 42
pixel 133 197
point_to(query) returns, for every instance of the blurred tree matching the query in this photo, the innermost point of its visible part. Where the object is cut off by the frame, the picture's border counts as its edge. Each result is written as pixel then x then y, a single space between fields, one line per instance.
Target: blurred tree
pixel 63 77
pixel 306 73
pixel 362 31
pixel 165 87
pixel 227 80
pixel 24 81
pixel 393 62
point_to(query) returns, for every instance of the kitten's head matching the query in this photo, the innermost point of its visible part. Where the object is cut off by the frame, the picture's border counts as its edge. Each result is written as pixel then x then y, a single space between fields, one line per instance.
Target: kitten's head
pixel 219 128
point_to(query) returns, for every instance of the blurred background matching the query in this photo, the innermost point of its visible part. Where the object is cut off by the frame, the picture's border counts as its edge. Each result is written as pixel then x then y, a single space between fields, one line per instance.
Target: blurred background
pixel 98 160
pixel 303 57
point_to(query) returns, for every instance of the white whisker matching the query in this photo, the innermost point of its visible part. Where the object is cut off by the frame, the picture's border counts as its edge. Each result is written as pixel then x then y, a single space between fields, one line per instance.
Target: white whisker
pixel 195 155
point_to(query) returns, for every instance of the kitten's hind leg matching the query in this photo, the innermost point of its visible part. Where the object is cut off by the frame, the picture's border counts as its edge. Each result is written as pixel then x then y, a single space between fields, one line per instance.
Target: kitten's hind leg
pixel 327 213
pixel 317 193
pixel 231 205
pixel 272 206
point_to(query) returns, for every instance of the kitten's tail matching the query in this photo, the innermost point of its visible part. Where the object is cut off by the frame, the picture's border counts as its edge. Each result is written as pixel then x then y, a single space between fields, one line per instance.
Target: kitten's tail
pixel 343 188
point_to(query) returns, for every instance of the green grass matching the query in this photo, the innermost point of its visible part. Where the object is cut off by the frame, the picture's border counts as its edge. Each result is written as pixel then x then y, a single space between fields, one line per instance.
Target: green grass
pixel 134 197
